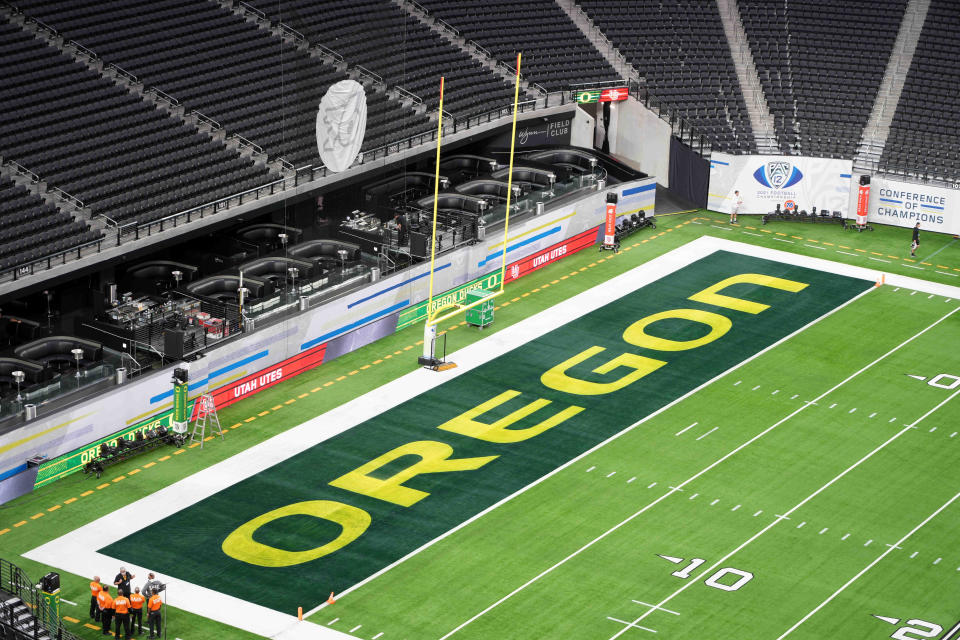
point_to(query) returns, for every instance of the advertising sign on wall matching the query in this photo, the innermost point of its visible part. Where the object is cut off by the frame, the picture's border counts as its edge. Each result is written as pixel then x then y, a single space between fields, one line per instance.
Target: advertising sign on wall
pixel 266 378
pixel 905 204
pixel 765 181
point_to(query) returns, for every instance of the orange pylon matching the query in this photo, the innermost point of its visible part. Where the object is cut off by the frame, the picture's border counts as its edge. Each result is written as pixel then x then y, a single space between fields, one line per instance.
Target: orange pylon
pixel 331 599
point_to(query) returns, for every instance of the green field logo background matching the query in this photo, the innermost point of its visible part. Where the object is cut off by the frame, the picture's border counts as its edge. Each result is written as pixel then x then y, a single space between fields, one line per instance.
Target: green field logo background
pixel 187 545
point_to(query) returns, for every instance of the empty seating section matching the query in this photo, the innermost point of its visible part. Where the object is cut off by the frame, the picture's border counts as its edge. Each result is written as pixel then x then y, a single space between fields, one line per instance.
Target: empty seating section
pixel 821 64
pixel 680 48
pixel 120 155
pixel 555 52
pixel 31 228
pixel 213 61
pixel 925 133
pixel 383 38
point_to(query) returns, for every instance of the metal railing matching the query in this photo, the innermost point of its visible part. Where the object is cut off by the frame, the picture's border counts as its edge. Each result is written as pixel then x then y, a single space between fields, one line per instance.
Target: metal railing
pixel 478 48
pixel 290 32
pixel 244 143
pixel 408 94
pixel 15 581
pixel 43 26
pixel 120 71
pixel 213 124
pixel 82 50
pixel 247 9
pixel 449 27
pixel 165 97
pixel 327 51
pixel 371 75
pixel 66 197
pixel 21 170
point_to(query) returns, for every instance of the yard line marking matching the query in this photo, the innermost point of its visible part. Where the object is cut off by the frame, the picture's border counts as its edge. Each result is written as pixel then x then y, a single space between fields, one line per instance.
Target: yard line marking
pixel 652 485
pixel 775 392
pixel 914 555
pixel 878 259
pixel 845 536
pixel 75 604
pixel 847 253
pixel 801 524
pixel 694 496
pixel 355 628
pixel 813 247
pixel 871 565
pixel 932 429
pixel 800 505
pixel 937 561
pixel 750 233
pixel 719 227
pixel 630 624
pixel 736 507
pixel 332 621
pixel 755 388
pixel 782 240
pixel 673 488
pixel 852 410
pixel 714 502
pixel 952 275
pixel 611 473
pixel 867 543
pixel 913 267
pixel 650 605
pixel 707 433
pixel 873 414
pixel 590 469
pixel 893 545
pixel 758 513
pixel 377 636
pixel 737 382
pixel 631 479
pixel 795 396
pixel 824 530
pixel 685 428
pixel 833 405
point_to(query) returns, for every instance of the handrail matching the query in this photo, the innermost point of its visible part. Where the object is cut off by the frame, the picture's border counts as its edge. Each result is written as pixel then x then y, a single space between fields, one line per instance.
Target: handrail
pixel 21 170
pixel 476 45
pixel 123 72
pixel 408 94
pixel 419 7
pixel 328 51
pixel 12 7
pixel 245 143
pixel 206 119
pixel 66 197
pixel 28 268
pixel 293 33
pixel 286 164
pixel 166 97
pixel 540 88
pixel 82 49
pixel 376 77
pixel 246 8
pixel 449 27
pixel 512 70
pixel 43 25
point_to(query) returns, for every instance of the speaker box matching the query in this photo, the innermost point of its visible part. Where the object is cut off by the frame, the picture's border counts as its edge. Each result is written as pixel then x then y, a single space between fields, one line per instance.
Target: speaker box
pixel 50 582
pixel 418 244
pixel 173 343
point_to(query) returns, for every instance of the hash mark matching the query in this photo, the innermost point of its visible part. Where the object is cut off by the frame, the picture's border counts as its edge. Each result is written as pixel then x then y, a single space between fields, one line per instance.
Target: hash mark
pixel 937 561
pixel 795 396
pixel 801 524
pixel 707 433
pixel 755 388
pixel 611 473
pixel 953 434
pixel 378 635
pixel 332 621
pixel 852 410
pixel 737 382
pixel 873 414
pixel 590 469
pixel 652 485
pixel 867 543
pixel 932 429
pixel 685 428
pixel 735 508
pixel 845 537
pixel 714 502
pixel 355 628
pixel 775 392
pixel 914 555
pixel 758 513
pixel 891 420
pixel 913 293
pixel 694 496
pixel 631 479
pixel 833 405
pixel 823 531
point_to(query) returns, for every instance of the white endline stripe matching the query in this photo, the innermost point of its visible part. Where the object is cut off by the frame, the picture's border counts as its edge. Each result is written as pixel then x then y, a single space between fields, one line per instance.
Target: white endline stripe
pixel 869 566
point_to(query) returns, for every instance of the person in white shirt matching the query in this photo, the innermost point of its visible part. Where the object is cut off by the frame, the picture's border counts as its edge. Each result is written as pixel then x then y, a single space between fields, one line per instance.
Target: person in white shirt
pixel 735 209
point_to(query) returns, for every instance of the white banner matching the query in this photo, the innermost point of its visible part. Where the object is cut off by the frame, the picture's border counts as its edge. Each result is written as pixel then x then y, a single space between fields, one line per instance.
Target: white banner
pixel 905 204
pixel 764 181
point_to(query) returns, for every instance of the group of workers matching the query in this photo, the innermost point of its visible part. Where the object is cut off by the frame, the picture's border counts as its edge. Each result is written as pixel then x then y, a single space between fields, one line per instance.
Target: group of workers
pixel 126 609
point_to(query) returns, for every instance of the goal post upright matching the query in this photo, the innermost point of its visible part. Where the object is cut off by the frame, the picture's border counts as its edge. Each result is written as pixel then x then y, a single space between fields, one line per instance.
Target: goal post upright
pixel 434 317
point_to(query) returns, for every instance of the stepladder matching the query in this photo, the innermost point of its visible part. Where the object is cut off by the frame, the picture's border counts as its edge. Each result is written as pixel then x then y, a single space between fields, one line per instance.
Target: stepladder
pixel 206 415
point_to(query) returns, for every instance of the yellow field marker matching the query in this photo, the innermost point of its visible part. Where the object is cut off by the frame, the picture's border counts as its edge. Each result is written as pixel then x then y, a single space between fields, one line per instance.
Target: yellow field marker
pixel 377 361
pixel 406 348
pixel 251 419
pixel 505 304
pixel 3 531
pixel 765 231
pixel 926 264
pixel 208 438
pixel 104 485
pixel 279 406
pixel 843 246
pixel 940 266
pixel 263 413
pixel 908 260
pixel 338 379
pixel 363 368
pixel 829 244
pixel 876 254
pixel 327 384
pixel 517 299
pixel 54 508
pixel 627 248
pixel 860 250
pixel 19 524
pixel 195 444
pixel 781 234
pixel 524 295
pixel 746 227
pixel 179 451
pixel 37 515
pixel 290 401
pixel 304 395
pixel 554 281
pixel 812 240
pixel 797 237
pixel 90 626
pixel 561 277
pixel 315 389
pixel 894 257
pixel 69 619
pixel 119 478
pixel 592 264
pixel 386 357
pixel 418 342
pixel 72 500
pixel 85 494
pixel 133 471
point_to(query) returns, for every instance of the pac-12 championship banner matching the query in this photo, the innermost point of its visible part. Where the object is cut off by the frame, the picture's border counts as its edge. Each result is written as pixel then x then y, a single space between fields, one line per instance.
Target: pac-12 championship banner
pixel 791 181
pixel 905 204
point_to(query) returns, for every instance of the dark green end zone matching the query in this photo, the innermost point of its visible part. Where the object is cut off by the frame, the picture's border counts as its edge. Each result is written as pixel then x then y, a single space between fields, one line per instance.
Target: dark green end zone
pixel 187 545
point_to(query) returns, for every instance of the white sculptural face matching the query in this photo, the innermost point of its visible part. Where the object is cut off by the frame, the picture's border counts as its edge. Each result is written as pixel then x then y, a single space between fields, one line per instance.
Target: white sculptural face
pixel 341 124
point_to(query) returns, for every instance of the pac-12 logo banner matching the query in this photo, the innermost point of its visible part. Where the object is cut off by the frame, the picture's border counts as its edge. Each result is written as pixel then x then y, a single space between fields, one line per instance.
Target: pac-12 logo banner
pixel 778 175
pixel 766 181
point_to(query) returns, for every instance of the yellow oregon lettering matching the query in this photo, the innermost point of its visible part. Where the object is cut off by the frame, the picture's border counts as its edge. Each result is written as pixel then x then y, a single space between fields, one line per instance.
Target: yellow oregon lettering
pixel 434 458
pixel 636 333
pixel 241 546
pixel 499 431
pixel 710 295
pixel 557 378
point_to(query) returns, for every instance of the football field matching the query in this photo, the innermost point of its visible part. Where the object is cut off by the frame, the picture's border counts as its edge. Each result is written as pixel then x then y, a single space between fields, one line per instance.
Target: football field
pixel 747 445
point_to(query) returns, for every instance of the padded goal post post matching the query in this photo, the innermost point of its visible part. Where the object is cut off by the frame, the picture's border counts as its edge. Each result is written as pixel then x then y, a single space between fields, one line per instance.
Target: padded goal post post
pixel 436 316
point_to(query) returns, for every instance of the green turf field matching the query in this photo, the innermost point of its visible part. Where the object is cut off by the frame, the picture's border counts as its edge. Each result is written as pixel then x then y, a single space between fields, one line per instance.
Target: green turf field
pixel 794 570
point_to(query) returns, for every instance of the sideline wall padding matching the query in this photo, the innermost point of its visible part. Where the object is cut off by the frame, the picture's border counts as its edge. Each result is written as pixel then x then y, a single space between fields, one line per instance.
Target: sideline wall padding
pixel 689 173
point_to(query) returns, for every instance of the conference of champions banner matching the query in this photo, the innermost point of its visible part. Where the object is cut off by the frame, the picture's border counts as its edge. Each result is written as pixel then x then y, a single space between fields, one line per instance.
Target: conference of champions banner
pixel 905 204
pixel 764 181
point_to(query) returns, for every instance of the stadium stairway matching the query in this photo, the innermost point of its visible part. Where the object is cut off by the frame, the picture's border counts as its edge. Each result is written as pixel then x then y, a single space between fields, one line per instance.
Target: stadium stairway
pixel 877 130
pixel 603 45
pixel 757 109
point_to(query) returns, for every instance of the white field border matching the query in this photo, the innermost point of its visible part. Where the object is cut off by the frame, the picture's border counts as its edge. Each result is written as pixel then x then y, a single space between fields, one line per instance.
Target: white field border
pixel 74 551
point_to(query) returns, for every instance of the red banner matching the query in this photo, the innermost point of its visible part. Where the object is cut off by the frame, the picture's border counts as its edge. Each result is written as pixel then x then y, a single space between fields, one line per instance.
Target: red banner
pixel 863 201
pixel 266 378
pixel 610 225
pixel 614 95
pixel 549 255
